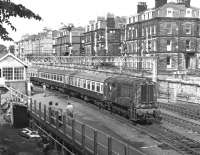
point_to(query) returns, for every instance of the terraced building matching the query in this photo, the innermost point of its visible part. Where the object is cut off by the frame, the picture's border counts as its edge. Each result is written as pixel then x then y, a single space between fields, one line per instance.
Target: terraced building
pixel 170 31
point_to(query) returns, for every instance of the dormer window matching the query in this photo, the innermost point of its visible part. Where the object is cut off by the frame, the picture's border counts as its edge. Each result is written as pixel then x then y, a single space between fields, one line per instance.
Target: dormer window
pixel 169 12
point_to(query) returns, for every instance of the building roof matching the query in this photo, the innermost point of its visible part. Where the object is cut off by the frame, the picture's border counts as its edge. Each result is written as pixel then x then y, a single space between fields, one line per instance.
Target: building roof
pixel 5 55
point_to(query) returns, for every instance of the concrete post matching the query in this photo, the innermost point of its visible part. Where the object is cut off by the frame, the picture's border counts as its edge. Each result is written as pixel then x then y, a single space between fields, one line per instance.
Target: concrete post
pixel 31 105
pixel 73 131
pixel 168 93
pixel 62 149
pixel 40 112
pixel 109 145
pixel 126 152
pixel 57 121
pixel 49 115
pixel 35 106
pixel 95 142
pixel 83 137
pixel 45 114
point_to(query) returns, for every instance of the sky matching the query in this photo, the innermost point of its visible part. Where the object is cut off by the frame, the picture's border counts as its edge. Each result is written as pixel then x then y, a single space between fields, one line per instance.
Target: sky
pixel 78 12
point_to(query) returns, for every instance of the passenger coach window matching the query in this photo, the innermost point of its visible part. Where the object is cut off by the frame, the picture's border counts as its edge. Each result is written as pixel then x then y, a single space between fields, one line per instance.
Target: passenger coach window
pixel 75 82
pixel 88 84
pixel 84 83
pixel 81 83
pixel 78 82
pixel 70 81
pixel 98 87
pixel 54 77
pixel 93 86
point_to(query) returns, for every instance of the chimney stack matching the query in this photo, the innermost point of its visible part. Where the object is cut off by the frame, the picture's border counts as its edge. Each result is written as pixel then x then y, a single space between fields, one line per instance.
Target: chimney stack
pixel 159 3
pixel 141 7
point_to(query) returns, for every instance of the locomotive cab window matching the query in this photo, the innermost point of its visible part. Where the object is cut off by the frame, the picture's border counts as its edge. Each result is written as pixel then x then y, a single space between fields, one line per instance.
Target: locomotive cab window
pixel 101 88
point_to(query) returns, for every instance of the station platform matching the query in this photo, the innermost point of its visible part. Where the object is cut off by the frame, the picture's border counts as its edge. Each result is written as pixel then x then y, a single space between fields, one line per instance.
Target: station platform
pixel 104 121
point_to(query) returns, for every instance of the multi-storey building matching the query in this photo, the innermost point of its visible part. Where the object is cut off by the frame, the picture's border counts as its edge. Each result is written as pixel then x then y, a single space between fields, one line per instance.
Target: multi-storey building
pixel 103 36
pixel 68 42
pixel 40 44
pixel 170 31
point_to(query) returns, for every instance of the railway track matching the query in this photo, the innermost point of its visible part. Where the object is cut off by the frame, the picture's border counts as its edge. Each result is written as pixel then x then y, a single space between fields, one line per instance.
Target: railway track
pixel 187 112
pixel 178 142
pixel 181 123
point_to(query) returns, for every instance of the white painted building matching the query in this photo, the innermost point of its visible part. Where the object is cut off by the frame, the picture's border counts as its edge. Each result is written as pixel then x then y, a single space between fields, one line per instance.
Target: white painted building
pixel 13 70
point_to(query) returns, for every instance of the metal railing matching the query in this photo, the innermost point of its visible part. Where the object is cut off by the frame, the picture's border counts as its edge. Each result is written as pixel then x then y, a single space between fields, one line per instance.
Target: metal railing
pixel 123 62
pixel 82 135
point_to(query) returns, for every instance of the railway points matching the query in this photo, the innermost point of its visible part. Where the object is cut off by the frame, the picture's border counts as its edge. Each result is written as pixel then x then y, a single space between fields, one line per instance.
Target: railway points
pixel 103 120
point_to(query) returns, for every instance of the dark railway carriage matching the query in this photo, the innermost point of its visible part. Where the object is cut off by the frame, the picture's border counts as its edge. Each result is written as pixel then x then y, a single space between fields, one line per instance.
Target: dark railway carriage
pixel 134 98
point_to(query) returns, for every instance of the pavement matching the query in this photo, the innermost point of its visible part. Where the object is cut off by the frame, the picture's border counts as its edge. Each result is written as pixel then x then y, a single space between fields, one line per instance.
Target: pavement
pixel 105 122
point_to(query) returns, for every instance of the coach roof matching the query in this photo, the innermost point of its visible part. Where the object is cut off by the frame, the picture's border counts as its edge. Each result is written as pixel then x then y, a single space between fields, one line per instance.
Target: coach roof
pixel 100 77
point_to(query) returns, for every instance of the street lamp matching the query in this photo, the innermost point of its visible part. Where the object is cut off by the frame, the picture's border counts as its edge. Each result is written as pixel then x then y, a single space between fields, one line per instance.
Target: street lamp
pixel 69 29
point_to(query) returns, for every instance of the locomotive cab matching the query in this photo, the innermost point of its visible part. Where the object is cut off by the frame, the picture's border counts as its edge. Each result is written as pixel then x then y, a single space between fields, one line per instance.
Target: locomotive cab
pixel 134 98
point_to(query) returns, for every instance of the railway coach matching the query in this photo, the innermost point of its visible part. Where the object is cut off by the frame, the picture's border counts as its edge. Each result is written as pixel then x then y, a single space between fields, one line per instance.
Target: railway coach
pixel 133 98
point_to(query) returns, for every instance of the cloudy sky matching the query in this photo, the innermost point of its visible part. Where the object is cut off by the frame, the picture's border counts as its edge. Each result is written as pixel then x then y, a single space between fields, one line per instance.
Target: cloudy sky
pixel 79 12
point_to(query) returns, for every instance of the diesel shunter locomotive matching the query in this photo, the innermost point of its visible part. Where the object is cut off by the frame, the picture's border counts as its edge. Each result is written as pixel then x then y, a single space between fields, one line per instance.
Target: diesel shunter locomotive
pixel 131 97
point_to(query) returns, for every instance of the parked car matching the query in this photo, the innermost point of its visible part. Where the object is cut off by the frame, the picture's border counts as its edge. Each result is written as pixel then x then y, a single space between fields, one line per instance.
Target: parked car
pixel 30 134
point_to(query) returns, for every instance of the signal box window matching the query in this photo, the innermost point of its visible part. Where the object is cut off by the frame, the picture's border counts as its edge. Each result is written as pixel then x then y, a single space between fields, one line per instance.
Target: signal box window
pixel 8 73
pixel 19 73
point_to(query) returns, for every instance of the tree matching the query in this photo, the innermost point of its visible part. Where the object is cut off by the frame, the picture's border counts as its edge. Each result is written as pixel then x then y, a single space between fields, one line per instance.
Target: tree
pixel 9 9
pixel 3 49
pixel 12 49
